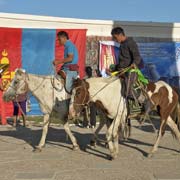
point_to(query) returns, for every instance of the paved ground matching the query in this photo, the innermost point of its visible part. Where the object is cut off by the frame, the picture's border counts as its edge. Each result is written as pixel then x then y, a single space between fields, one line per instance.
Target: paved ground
pixel 58 162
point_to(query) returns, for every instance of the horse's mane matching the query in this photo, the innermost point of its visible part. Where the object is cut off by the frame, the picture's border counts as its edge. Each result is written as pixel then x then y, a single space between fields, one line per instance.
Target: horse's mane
pixel 42 76
pixel 79 82
pixel 102 79
pixel 20 70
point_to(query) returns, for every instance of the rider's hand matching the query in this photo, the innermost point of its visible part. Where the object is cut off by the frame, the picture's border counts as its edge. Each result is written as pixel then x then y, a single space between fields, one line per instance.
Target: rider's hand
pixel 133 66
pixel 55 62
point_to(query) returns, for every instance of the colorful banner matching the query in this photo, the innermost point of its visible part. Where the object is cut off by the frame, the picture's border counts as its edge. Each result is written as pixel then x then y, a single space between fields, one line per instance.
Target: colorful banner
pixel 10 55
pixel 34 50
pixel 38 47
pixel 108 55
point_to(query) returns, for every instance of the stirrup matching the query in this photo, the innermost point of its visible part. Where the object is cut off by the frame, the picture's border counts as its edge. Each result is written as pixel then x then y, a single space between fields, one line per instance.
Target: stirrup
pixel 134 107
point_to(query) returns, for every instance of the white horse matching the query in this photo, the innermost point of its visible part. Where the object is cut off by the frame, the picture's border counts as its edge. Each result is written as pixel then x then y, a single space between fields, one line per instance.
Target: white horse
pixel 106 94
pixel 50 94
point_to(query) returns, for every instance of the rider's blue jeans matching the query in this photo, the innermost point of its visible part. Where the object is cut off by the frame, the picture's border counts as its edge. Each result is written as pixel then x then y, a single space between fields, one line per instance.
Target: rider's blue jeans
pixel 70 76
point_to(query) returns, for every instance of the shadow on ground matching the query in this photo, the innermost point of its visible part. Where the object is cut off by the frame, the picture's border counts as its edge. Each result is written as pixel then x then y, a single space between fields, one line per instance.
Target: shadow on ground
pixel 58 137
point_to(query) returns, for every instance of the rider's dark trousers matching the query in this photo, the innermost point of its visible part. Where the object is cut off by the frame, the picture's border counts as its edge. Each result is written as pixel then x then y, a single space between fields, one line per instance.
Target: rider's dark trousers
pixel 130 79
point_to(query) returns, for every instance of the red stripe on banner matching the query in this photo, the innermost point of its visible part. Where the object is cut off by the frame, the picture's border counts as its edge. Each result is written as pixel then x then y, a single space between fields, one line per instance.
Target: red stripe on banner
pixel 78 37
pixel 10 54
pixel 107 56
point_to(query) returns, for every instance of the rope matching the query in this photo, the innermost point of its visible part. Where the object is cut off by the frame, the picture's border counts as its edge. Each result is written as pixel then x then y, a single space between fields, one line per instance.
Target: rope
pixel 82 104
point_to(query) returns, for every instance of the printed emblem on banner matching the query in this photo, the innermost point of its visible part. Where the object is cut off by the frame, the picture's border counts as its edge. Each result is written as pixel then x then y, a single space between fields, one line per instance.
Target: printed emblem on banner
pixel 7 75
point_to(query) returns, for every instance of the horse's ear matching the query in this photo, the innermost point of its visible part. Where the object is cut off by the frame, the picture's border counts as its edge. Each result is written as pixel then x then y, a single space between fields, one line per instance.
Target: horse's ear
pixel 84 82
pixel 20 71
pixel 23 70
pixel 87 84
pixel 76 82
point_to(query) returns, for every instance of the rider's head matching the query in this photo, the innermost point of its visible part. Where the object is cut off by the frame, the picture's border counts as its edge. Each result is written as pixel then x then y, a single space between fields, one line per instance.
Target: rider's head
pixel 62 37
pixel 118 34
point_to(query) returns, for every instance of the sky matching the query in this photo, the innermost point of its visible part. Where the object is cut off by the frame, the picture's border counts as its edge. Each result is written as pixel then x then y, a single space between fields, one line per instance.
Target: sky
pixel 120 10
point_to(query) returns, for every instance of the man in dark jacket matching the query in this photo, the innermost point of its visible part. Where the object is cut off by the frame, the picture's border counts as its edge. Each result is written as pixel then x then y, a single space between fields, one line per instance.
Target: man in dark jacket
pixel 129 56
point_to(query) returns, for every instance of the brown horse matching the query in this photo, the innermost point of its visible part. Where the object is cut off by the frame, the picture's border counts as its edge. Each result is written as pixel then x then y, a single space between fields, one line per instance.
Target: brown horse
pixel 166 100
pixel 161 95
pixel 100 91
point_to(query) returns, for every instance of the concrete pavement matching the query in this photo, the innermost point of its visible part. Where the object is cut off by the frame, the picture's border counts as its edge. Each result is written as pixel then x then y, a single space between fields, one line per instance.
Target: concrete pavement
pixel 57 161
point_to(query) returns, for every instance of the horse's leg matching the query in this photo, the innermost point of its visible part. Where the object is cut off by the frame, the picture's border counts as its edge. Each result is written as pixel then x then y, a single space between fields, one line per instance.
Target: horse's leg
pixel 116 144
pixel 110 140
pixel 112 137
pixel 148 107
pixel 160 133
pixel 44 133
pixel 119 123
pixel 174 127
pixel 95 134
pixel 125 132
pixel 108 123
pixel 71 136
pixel 112 133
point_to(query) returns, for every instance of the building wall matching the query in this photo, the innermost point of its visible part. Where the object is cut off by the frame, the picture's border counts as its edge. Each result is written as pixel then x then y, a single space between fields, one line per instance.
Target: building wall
pixel 94 27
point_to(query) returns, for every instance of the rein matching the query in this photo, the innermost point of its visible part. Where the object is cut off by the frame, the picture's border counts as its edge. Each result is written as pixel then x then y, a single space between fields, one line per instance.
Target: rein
pixel 87 103
pixel 26 90
pixel 53 84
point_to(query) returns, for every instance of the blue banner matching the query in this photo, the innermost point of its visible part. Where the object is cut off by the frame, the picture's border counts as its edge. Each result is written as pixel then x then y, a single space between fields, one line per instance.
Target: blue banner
pixel 161 61
pixel 38 51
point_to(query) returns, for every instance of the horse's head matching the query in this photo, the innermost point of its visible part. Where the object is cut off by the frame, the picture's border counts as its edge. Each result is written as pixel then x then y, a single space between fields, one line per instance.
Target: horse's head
pixel 17 86
pixel 79 97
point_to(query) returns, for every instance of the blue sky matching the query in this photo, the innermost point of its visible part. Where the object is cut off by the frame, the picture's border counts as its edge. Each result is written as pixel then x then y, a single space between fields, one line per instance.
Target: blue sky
pixel 123 10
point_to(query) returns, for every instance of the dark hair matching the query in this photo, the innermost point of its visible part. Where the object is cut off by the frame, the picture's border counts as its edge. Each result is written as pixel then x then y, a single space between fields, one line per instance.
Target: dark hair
pixel 88 70
pixel 63 33
pixel 117 30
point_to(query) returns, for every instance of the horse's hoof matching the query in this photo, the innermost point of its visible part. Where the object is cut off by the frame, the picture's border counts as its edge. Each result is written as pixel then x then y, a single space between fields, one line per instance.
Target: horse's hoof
pixel 125 139
pixel 109 157
pixel 112 157
pixel 75 148
pixel 150 155
pixel 92 143
pixel 37 149
pixel 106 145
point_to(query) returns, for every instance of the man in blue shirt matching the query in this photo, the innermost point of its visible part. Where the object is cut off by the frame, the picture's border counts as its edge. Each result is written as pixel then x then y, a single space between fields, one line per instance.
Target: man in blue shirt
pixel 70 61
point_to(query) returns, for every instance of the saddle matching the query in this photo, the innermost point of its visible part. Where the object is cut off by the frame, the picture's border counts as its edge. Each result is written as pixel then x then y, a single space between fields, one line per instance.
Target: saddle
pixel 62 74
pixel 136 102
pixel 59 79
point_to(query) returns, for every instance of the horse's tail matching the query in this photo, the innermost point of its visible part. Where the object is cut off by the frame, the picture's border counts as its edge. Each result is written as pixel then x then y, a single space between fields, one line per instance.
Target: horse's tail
pixel 177 119
pixel 176 113
pixel 177 109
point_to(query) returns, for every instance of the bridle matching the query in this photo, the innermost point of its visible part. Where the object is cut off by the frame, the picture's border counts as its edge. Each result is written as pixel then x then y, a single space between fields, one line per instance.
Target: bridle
pixel 16 88
pixel 26 86
pixel 53 84
pixel 85 96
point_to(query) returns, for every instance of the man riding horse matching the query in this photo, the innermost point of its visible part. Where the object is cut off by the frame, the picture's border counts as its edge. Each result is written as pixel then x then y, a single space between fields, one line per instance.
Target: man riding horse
pixel 69 64
pixel 129 60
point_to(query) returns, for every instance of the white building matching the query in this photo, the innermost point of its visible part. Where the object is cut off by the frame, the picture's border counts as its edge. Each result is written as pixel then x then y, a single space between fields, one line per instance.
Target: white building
pixel 94 27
